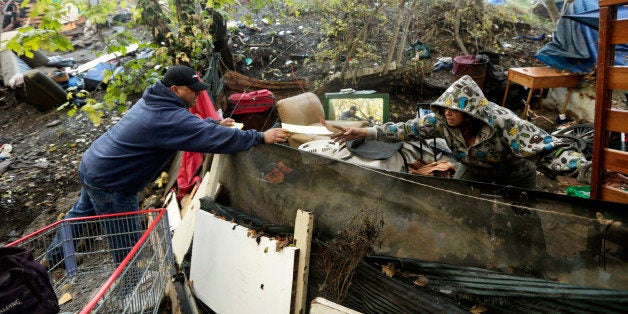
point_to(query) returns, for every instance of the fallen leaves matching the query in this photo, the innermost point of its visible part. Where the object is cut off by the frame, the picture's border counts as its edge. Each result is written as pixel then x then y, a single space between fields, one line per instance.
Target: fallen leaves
pixel 389 269
pixel 421 281
pixel 65 298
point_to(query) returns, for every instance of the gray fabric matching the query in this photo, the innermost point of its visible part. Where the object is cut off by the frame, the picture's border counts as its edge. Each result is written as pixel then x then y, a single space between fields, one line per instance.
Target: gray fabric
pixel 377 150
pixel 525 178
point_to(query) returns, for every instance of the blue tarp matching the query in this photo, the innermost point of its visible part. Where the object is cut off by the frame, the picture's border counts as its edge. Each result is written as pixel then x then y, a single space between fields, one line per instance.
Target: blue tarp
pixel 574 44
pixel 592 18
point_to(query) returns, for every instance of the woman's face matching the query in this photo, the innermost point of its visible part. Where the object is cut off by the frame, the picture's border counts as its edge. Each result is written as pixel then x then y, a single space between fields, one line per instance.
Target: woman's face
pixel 454 118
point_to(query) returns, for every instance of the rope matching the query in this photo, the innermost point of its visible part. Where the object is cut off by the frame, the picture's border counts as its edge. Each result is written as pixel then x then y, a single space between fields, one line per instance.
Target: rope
pixel 494 201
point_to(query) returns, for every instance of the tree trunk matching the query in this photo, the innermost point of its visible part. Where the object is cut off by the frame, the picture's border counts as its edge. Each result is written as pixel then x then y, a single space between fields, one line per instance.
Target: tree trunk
pixel 155 18
pixel 404 34
pixel 356 42
pixel 552 9
pixel 393 42
pixel 221 40
pixel 458 17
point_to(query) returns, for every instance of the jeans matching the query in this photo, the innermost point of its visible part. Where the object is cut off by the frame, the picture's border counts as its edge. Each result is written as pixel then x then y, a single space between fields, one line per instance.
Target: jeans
pixel 122 232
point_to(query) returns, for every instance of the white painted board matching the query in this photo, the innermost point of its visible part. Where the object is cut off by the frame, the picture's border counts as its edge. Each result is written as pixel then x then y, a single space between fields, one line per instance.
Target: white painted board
pixel 233 273
pixel 174 213
pixel 209 186
pixel 104 58
pixel 324 306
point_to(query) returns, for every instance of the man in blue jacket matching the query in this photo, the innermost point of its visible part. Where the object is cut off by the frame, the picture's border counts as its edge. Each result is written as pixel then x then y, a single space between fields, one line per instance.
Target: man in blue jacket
pixel 122 161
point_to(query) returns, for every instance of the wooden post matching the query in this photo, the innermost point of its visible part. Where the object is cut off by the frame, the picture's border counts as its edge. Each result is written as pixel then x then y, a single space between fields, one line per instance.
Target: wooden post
pixel 303 229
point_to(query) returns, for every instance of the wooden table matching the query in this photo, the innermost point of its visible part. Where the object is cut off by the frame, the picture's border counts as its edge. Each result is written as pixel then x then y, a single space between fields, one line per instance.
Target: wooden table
pixel 540 78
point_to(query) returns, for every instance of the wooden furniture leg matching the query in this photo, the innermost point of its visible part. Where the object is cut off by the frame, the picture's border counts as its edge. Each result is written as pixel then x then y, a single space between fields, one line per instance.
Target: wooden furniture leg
pixel 506 93
pixel 527 105
pixel 564 108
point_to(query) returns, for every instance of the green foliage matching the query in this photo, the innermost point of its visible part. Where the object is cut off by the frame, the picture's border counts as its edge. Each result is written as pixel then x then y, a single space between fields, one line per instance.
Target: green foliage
pixel 30 39
pixel 97 14
pixel 46 36
pixel 344 22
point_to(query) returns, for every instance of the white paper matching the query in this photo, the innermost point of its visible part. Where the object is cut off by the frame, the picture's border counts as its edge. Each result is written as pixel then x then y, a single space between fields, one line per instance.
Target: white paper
pixel 306 129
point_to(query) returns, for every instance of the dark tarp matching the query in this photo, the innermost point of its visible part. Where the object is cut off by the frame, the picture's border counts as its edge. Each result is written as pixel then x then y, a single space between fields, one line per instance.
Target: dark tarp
pixel 574 43
pixel 591 18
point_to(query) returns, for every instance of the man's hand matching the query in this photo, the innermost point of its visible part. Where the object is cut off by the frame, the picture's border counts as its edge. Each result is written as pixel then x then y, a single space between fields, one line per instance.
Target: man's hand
pixel 227 122
pixel 275 136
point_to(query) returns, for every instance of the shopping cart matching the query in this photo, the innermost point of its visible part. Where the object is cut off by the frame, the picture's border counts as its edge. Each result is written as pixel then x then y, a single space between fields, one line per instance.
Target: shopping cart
pixel 87 271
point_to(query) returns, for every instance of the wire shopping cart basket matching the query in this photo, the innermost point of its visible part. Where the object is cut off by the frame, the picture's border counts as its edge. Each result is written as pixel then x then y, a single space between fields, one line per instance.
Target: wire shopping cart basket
pixel 116 263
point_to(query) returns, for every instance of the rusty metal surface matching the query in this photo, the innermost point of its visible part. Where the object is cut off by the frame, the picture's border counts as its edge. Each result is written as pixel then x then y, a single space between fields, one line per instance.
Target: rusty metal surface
pixel 451 289
pixel 556 237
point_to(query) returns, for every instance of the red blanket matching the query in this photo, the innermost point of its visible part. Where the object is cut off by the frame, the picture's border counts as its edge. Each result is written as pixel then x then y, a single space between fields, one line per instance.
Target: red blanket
pixel 192 161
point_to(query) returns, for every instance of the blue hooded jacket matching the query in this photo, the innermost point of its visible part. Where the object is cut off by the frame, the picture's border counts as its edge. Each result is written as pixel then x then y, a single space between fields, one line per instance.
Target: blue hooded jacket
pixel 133 152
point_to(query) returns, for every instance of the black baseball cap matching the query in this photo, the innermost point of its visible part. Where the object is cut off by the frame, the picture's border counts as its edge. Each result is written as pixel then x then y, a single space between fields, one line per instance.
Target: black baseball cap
pixel 181 75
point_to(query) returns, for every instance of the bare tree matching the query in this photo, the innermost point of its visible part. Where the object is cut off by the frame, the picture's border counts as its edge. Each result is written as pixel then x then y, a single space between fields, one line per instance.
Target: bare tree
pixel 153 15
pixel 404 33
pixel 552 9
pixel 457 22
pixel 358 40
pixel 393 42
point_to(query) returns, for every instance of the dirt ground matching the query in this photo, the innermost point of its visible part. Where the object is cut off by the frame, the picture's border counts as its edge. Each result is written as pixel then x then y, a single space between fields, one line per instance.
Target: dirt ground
pixel 39 182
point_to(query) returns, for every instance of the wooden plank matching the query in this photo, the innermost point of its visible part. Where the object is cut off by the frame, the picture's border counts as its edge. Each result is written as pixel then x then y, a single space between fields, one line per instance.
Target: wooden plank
pixel 614 195
pixel 618 77
pixel 324 306
pixel 618 32
pixel 174 213
pixel 186 201
pixel 604 3
pixel 617 121
pixel 209 186
pixel 303 229
pixel 606 57
pixel 173 171
pixel 171 294
pixel 207 163
pixel 181 298
pixel 104 58
pixel 234 273
pixel 616 160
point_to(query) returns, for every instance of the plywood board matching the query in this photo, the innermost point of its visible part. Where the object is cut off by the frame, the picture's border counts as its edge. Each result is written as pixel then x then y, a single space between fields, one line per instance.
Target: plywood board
pixel 234 273
pixel 174 213
pixel 182 237
pixel 324 306
pixel 303 229
pixel 104 58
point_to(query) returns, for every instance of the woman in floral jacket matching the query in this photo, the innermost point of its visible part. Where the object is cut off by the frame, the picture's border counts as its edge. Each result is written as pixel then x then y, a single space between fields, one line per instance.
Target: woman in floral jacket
pixel 491 143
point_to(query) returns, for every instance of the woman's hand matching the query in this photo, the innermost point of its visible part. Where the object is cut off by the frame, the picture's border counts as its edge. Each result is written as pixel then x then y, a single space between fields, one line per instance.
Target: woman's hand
pixel 348 134
pixel 345 134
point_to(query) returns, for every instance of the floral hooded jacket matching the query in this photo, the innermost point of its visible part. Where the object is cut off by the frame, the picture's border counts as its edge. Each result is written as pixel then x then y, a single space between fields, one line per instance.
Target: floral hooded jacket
pixel 503 141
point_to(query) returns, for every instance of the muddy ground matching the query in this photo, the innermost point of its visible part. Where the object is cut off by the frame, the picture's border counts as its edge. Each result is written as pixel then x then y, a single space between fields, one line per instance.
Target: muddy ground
pixel 39 182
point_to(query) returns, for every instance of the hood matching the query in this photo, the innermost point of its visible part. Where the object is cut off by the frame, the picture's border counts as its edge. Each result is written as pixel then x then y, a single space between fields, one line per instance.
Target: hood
pixel 160 95
pixel 466 96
